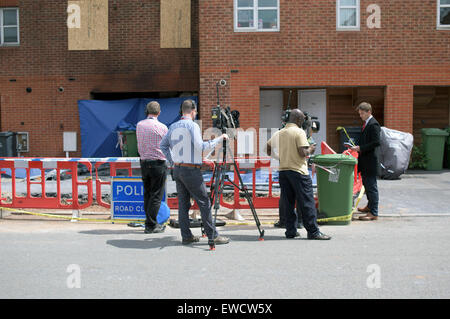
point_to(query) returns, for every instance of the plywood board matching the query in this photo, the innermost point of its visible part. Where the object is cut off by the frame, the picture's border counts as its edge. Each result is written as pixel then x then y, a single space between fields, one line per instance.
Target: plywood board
pixel 341 109
pixel 175 25
pixel 87 24
pixel 431 109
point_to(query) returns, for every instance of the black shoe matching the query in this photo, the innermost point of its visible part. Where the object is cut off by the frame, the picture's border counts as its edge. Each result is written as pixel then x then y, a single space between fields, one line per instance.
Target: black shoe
pixel 319 236
pixel 193 239
pixel 278 224
pixel 297 234
pixel 157 229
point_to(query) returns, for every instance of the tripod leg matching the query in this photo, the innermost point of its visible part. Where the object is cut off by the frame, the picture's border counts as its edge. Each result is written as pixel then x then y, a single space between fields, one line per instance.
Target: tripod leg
pixel 250 202
pixel 218 185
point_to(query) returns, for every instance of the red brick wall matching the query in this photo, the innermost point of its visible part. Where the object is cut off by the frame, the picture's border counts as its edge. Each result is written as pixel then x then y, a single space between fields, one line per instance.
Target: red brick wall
pixel 9 3
pixel 308 52
pixel 133 63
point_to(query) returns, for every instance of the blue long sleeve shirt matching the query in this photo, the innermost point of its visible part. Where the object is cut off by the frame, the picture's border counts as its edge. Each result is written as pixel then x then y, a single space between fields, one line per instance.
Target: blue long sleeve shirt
pixel 183 143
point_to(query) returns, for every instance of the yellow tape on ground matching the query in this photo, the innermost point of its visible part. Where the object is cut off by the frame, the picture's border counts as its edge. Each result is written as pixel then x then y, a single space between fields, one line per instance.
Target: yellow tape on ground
pixel 70 217
pixel 345 217
pixel 330 219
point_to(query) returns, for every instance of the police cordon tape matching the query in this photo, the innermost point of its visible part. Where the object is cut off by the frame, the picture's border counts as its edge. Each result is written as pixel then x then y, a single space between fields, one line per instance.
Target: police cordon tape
pixel 320 220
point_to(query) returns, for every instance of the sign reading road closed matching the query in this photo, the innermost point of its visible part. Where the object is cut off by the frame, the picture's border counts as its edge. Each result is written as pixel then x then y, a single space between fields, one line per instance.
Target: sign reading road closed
pixel 127 200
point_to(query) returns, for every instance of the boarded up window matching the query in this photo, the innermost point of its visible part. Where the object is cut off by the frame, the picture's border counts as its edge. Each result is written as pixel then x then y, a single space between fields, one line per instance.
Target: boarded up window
pixel 87 24
pixel 175 24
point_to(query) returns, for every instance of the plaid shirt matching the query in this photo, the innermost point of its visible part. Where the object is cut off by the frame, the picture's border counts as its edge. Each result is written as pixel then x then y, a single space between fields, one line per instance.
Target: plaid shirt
pixel 149 133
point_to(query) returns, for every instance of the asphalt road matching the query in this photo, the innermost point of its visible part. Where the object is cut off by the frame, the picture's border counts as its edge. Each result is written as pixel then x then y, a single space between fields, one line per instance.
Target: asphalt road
pixel 394 257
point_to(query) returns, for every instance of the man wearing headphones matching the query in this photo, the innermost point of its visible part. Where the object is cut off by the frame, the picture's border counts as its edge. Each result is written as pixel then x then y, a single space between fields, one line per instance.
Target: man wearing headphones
pixel 183 147
pixel 149 133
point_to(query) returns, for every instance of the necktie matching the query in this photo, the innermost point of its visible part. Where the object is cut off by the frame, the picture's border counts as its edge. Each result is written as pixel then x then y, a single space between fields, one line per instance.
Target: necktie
pixel 364 126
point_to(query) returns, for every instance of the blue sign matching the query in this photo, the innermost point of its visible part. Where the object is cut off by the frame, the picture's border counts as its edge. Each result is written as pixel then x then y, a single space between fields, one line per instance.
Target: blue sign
pixel 127 200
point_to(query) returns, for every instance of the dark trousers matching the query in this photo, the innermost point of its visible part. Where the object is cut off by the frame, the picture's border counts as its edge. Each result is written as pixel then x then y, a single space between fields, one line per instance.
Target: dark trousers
pixel 371 188
pixel 154 179
pixel 281 214
pixel 190 183
pixel 298 187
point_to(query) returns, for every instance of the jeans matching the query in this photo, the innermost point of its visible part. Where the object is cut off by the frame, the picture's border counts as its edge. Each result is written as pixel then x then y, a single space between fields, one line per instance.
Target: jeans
pixel 154 180
pixel 371 188
pixel 298 187
pixel 190 183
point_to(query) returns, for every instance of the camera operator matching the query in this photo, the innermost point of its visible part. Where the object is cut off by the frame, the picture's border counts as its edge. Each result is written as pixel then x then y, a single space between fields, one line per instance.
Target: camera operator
pixel 183 147
pixel 295 182
pixel 149 133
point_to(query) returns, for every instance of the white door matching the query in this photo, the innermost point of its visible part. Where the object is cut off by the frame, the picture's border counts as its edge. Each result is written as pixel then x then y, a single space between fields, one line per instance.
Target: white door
pixel 314 102
pixel 270 110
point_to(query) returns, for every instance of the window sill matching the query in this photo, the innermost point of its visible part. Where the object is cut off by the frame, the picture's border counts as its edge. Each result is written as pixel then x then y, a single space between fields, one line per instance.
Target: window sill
pixel 348 29
pixel 9 45
pixel 443 28
pixel 255 31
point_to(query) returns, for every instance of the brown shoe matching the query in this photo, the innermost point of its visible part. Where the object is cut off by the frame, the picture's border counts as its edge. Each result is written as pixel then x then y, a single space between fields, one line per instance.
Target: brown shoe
pixel 369 216
pixel 364 210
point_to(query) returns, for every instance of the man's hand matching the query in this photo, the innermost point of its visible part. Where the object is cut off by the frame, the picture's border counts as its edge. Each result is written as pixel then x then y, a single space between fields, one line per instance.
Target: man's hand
pixel 356 148
pixel 312 149
pixel 224 136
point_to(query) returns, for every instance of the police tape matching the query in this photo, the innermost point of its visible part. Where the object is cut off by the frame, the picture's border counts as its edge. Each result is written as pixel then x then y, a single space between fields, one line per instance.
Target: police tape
pixel 68 217
pixel 343 218
pixel 128 221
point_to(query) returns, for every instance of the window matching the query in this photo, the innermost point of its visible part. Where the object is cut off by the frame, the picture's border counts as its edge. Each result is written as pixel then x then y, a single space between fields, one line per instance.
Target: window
pixel 256 15
pixel 9 26
pixel 443 14
pixel 347 14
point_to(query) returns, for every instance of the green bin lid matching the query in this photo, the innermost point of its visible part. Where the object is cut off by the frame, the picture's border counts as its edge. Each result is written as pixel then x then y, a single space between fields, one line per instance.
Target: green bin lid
pixel 332 159
pixel 434 131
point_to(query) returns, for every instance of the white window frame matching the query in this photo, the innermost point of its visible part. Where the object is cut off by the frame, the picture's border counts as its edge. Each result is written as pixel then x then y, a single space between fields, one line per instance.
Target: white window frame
pixel 255 9
pixel 358 16
pixel 438 15
pixel 2 27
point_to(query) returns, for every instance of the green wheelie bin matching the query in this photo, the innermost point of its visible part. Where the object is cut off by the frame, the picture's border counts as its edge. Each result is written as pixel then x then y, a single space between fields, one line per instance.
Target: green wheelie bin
pixel 335 177
pixel 433 140
pixel 129 147
pixel 447 149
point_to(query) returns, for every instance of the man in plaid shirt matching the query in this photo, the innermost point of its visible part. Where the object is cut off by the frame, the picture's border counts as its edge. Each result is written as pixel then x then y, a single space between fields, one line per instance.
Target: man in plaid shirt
pixel 149 133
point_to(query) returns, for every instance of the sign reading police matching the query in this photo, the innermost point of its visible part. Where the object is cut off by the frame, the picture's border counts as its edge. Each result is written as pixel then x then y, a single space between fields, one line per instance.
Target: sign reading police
pixel 127 200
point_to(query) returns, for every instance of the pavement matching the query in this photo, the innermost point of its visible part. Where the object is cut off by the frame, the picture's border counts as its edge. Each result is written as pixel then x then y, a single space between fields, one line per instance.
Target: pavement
pixel 402 255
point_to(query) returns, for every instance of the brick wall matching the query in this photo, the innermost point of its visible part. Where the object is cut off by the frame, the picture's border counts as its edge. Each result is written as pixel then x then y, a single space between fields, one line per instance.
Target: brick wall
pixel 133 63
pixel 308 52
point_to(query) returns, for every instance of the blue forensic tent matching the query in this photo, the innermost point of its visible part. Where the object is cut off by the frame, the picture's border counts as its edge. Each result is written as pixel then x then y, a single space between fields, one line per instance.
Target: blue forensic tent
pixel 100 121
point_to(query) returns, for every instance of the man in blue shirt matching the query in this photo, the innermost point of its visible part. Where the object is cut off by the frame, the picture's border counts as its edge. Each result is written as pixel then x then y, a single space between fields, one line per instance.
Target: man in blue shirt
pixel 183 148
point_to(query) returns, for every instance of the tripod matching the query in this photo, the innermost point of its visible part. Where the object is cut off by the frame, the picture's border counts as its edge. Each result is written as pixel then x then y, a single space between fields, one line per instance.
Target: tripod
pixel 217 182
